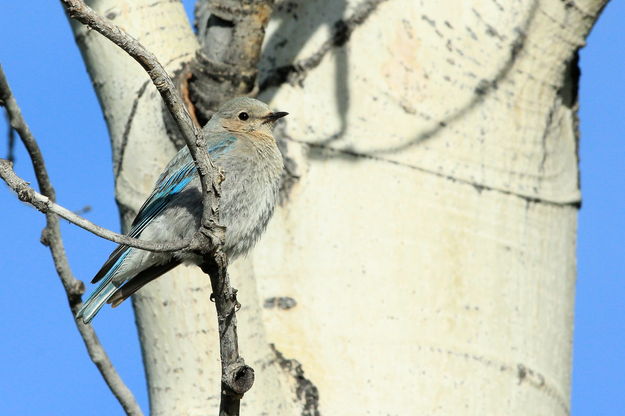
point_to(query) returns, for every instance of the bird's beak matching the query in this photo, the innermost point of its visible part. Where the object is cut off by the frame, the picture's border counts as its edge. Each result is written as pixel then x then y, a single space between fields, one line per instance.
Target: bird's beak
pixel 271 117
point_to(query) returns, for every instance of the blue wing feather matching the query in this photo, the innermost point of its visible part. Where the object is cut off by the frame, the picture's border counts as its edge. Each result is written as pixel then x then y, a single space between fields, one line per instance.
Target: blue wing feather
pixel 170 185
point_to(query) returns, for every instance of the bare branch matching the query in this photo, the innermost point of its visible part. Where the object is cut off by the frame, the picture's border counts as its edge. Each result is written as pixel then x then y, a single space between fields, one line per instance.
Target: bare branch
pixel 103 363
pixel 51 237
pixel 10 141
pixel 44 204
pixel 17 122
pixel 236 377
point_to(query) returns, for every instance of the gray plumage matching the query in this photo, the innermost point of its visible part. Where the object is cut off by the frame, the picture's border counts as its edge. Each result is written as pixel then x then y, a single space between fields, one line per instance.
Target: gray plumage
pixel 240 141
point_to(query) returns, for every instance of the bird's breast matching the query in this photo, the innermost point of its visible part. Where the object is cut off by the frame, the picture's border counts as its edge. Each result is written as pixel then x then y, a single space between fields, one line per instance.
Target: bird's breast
pixel 249 195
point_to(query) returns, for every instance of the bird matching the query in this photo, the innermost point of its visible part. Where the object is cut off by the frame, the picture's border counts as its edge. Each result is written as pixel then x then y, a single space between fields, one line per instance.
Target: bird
pixel 239 139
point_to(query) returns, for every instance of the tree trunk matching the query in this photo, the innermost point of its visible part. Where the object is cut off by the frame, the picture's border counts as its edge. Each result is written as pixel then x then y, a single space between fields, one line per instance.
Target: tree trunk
pixel 423 259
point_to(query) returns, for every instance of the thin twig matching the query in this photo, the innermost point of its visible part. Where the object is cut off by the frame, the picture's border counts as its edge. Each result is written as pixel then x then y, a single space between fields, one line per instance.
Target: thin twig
pixel 46 205
pixel 51 237
pixel 10 141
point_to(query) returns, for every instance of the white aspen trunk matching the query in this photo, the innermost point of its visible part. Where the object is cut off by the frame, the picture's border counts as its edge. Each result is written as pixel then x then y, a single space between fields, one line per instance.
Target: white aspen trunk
pixel 430 242
pixel 425 258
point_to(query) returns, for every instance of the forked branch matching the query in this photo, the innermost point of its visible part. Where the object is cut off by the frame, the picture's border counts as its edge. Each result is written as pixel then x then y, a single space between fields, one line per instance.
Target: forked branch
pixel 46 205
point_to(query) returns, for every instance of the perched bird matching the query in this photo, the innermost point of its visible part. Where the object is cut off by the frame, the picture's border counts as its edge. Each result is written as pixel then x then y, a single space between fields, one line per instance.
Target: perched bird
pixel 239 140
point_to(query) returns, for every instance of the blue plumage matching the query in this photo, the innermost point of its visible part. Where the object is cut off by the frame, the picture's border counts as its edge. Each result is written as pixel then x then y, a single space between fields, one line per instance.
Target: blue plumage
pixel 240 141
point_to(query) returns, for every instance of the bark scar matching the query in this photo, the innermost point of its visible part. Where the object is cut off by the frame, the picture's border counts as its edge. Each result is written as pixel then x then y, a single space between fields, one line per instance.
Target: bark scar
pixel 305 391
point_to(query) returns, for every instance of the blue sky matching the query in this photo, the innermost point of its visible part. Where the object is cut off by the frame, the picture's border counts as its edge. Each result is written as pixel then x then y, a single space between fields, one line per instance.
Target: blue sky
pixel 45 369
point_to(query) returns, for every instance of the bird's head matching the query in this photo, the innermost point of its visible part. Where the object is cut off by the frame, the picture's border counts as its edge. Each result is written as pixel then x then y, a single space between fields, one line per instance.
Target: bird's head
pixel 246 115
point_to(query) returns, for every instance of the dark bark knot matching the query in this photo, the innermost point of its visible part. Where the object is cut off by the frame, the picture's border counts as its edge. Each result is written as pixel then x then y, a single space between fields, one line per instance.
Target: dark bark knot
pixel 238 379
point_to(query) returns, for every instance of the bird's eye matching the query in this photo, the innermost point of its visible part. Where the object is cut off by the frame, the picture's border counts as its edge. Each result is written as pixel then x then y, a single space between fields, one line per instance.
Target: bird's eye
pixel 243 116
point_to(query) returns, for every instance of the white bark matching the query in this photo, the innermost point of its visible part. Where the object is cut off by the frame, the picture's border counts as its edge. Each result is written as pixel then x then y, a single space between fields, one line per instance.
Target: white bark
pixel 430 241
pixel 433 264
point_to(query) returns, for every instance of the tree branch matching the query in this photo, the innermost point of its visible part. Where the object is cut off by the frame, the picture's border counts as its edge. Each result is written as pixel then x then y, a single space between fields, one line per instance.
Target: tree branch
pixel 10 141
pixel 237 378
pixel 46 205
pixel 51 237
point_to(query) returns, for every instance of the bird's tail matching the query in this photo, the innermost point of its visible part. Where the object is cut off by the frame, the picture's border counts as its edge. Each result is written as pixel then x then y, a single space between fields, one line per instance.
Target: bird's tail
pixel 95 302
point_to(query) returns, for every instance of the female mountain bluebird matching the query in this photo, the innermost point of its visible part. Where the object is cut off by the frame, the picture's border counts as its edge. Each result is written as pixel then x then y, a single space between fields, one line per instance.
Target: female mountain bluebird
pixel 240 141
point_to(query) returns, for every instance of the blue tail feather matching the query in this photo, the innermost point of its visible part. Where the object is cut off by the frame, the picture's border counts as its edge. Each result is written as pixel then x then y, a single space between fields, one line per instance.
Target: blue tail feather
pixel 97 299
pixel 104 291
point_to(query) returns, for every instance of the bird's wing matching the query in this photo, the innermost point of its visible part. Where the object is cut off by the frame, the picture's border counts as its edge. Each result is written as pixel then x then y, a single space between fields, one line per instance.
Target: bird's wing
pixel 172 181
pixel 167 187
